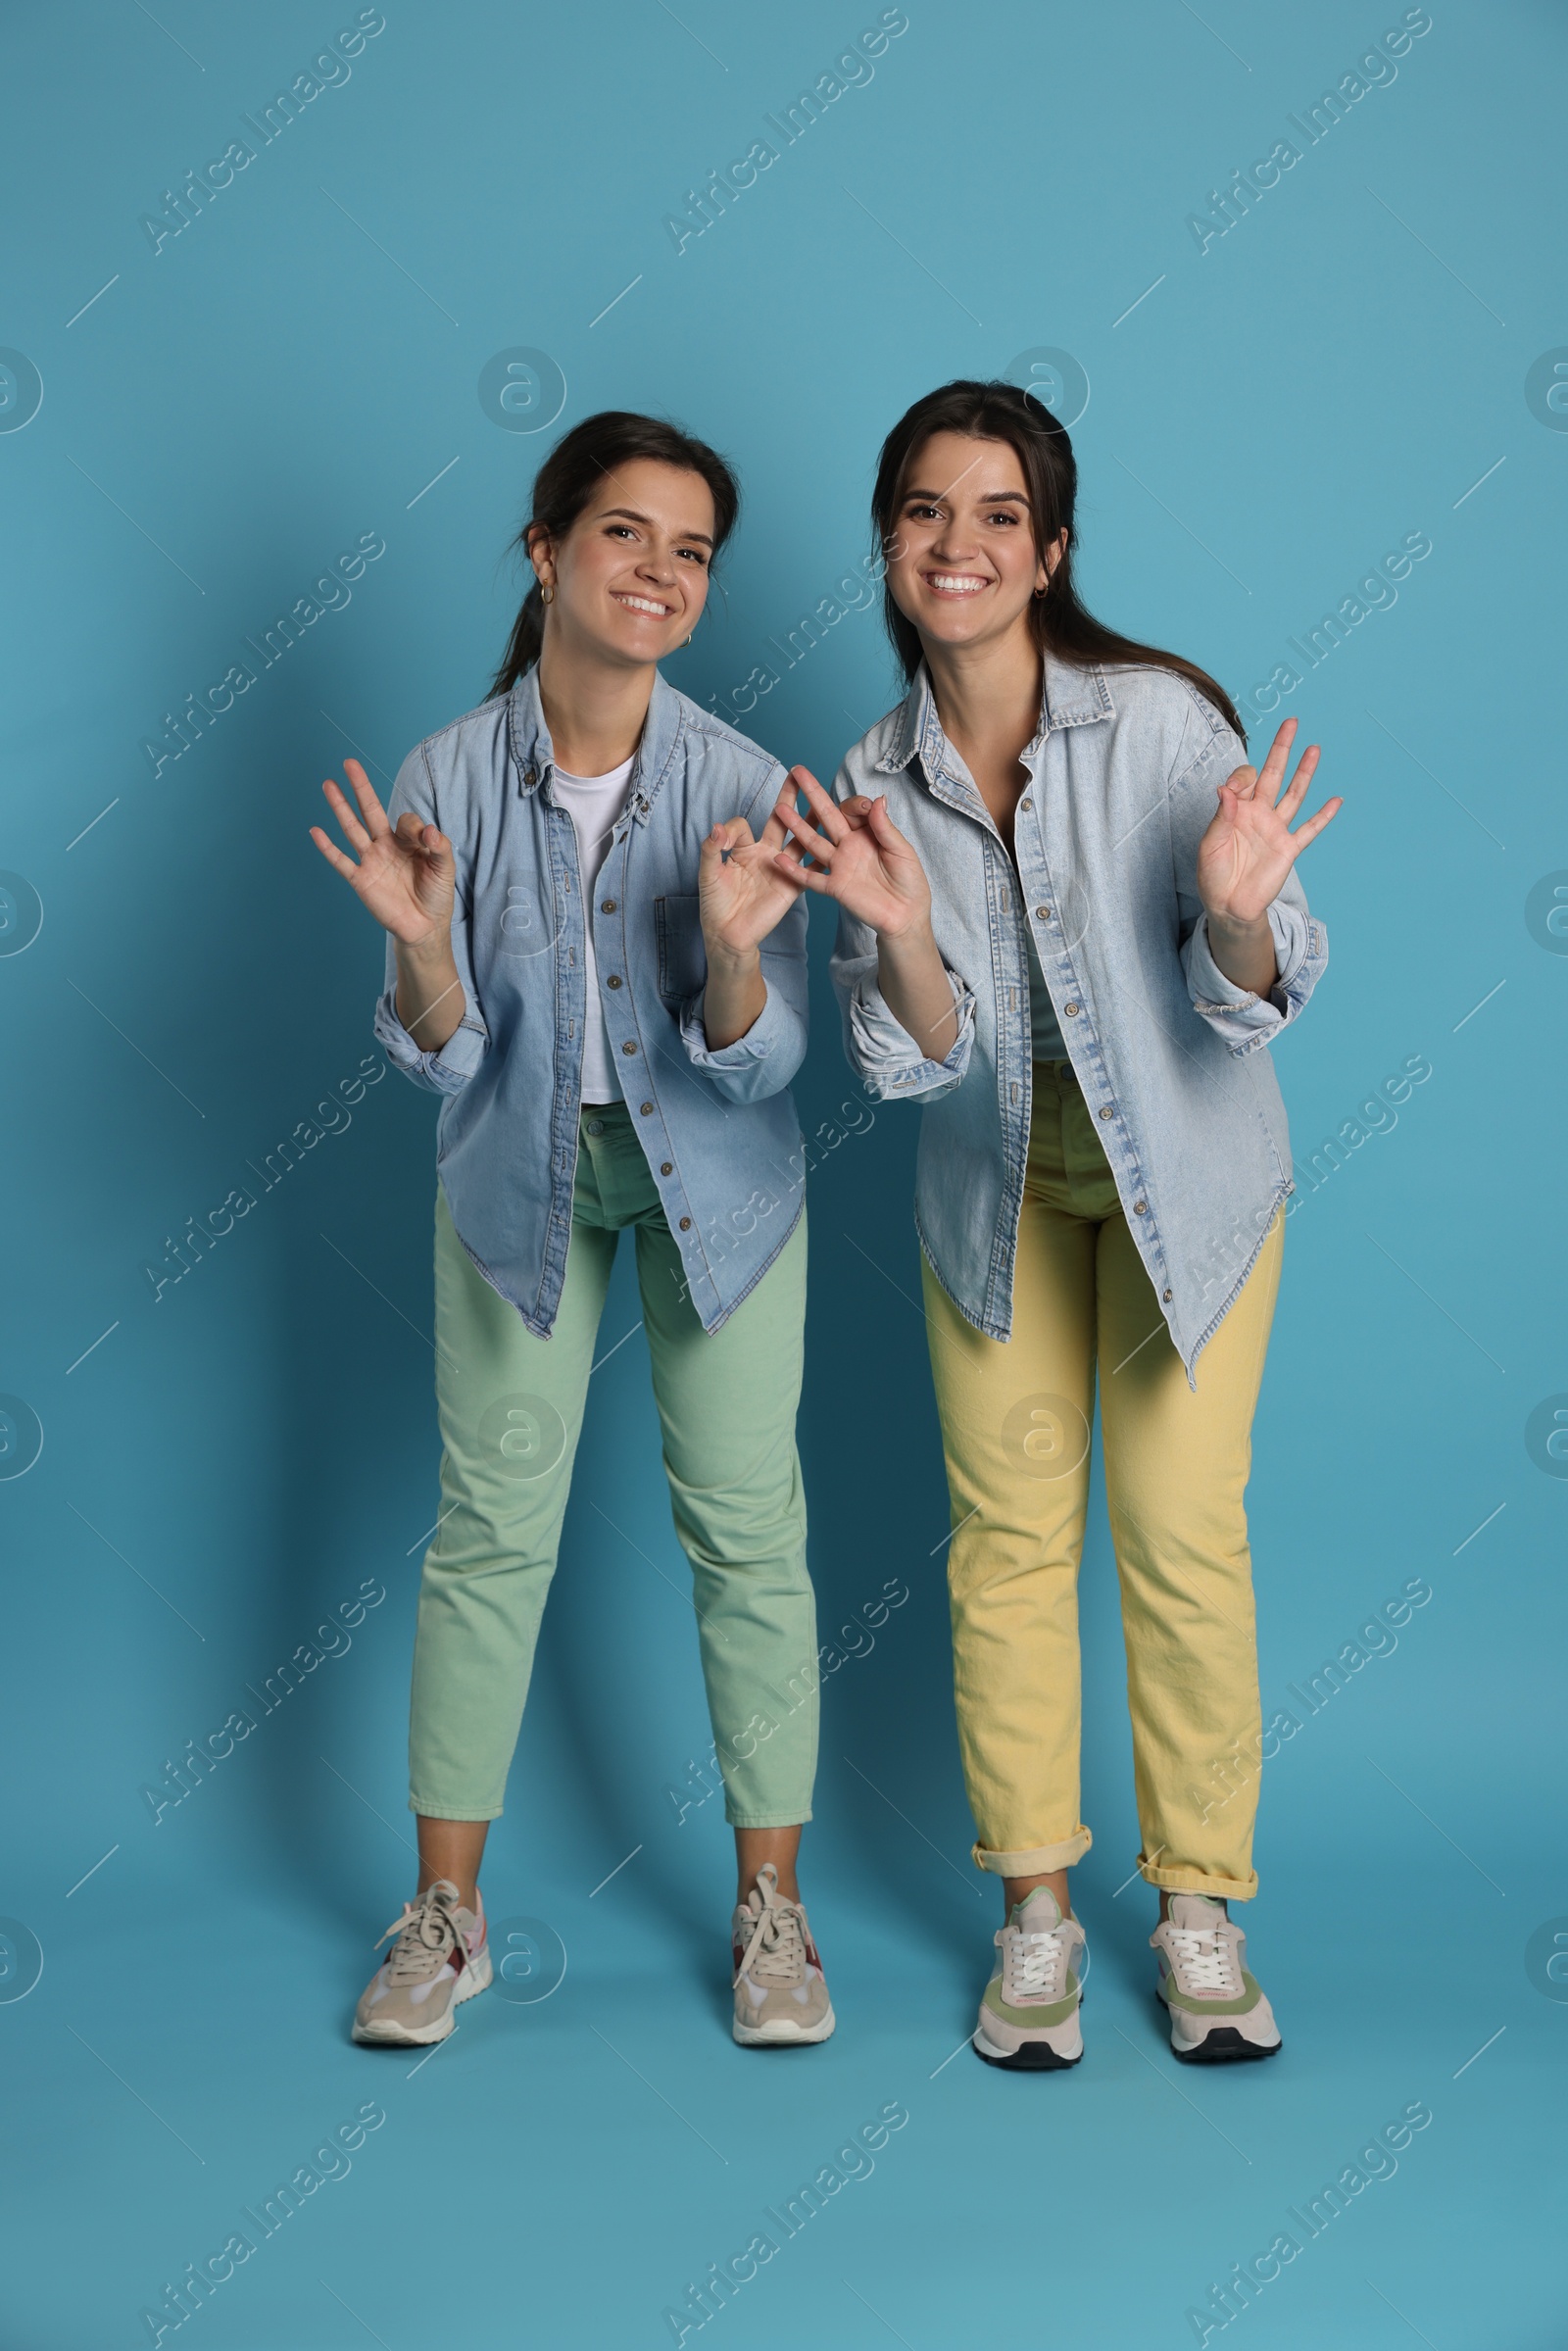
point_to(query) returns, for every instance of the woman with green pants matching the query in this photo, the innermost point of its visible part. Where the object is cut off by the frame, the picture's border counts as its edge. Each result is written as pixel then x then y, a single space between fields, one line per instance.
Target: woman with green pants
pixel 594 960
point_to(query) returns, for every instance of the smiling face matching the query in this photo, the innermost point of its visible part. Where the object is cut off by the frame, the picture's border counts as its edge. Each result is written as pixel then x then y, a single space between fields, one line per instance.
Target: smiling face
pixel 965 566
pixel 629 579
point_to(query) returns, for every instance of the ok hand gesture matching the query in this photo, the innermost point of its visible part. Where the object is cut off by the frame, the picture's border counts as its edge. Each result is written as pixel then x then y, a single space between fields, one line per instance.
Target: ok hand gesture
pixel 406 876
pixel 741 894
pixel 1248 849
pixel 857 857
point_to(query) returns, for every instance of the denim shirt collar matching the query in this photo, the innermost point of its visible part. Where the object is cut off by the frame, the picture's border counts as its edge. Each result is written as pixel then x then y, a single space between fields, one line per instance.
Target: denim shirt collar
pixel 533 754
pixel 1069 697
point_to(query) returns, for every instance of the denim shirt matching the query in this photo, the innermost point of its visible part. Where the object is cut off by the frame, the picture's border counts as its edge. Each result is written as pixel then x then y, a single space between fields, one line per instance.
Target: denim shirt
pixel 716 1127
pixel 1168 1053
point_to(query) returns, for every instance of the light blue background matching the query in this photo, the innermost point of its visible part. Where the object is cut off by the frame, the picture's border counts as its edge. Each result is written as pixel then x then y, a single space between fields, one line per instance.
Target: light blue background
pixel 292 371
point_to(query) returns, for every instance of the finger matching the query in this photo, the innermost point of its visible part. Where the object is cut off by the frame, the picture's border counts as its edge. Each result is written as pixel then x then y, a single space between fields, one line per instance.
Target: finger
pixel 1241 782
pixel 774 833
pixel 1305 834
pixel 718 845
pixel 813 843
pixel 1295 791
pixel 370 807
pixel 333 854
pixel 807 877
pixel 353 831
pixel 795 828
pixel 1279 751
pixel 823 807
pixel 881 826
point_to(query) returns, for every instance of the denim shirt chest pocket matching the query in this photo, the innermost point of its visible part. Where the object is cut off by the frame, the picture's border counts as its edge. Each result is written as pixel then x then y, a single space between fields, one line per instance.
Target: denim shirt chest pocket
pixel 682 953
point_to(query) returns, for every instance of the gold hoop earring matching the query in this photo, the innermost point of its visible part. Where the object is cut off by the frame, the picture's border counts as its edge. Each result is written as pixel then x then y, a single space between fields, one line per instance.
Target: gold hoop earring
pixel 546 595
pixel 688 640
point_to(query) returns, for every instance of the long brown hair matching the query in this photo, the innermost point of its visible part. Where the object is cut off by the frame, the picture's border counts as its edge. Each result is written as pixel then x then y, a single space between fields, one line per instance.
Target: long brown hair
pixel 568 478
pixel 1059 620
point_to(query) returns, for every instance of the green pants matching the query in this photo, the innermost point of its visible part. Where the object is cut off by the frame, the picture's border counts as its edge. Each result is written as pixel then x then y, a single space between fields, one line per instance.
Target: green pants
pixel 511 1409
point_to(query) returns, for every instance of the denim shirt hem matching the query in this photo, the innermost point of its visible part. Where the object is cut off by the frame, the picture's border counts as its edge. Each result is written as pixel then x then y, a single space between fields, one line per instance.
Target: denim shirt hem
pixel 1190 1361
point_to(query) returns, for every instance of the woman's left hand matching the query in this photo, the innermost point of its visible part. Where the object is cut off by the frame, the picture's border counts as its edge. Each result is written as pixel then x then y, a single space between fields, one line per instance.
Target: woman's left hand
pixel 1248 849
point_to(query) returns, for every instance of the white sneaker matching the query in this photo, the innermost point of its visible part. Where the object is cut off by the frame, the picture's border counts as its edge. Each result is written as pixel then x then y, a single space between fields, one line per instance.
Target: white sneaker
pixel 1217 2010
pixel 441 1956
pixel 1029 2014
pixel 781 1995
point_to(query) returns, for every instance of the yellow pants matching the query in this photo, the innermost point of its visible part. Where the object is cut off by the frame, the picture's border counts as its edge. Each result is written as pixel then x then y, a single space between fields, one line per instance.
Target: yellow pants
pixel 1016 1426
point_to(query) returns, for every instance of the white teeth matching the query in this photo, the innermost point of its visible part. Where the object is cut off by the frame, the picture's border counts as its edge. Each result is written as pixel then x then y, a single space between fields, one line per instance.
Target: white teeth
pixel 960 583
pixel 644 603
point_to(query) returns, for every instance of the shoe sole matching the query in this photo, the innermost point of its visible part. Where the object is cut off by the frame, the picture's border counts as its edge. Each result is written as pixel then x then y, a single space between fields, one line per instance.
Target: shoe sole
pixel 476 1979
pixel 782 2035
pixel 1035 2056
pixel 1224 2045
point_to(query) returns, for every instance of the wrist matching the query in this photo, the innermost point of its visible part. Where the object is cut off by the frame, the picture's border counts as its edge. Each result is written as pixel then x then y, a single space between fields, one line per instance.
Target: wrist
pixel 431 953
pixel 725 962
pixel 911 938
pixel 1240 931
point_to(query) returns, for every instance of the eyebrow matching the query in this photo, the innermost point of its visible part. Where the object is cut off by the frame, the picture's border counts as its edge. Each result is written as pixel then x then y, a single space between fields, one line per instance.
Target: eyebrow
pixel 987 498
pixel 629 514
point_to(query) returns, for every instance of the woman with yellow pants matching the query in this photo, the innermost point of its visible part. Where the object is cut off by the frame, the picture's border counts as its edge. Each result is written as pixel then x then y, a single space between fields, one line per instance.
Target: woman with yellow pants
pixel 1069 926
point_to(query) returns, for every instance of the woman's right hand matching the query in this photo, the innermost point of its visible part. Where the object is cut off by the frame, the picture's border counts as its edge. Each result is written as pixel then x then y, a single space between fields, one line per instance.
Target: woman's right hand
pixel 858 856
pixel 405 875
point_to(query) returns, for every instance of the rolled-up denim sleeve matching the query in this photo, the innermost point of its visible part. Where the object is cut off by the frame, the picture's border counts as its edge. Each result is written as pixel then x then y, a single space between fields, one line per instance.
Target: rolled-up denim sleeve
pixel 765 1059
pixel 448 1070
pixel 880 1049
pixel 1244 1020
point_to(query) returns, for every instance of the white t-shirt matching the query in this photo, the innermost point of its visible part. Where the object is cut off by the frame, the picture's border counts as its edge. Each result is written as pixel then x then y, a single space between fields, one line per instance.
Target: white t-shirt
pixel 594 802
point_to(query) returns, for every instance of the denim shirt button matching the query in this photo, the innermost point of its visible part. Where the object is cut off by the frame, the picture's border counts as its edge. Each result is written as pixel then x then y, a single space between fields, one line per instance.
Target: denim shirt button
pixel 607 906
pixel 613 980
pixel 1044 914
pixel 646 1110
pixel 629 1049
pixel 1105 1112
pixel 1140 1208
pixel 685 1224
pixel 1165 1295
pixel 667 1167
pixel 1071 1012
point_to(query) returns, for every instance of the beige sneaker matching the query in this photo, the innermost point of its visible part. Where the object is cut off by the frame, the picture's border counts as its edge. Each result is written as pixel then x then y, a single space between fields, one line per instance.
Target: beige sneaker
pixel 440 1956
pixel 1217 2010
pixel 781 1995
pixel 1029 2014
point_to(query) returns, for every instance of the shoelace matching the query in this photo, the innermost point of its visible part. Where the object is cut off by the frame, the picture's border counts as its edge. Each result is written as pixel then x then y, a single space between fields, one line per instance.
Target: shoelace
pixel 1035 1959
pixel 426 1934
pixel 1203 1959
pixel 777 1952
